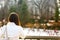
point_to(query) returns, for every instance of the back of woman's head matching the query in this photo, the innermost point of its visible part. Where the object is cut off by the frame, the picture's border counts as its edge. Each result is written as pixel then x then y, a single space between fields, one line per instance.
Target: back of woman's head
pixel 13 17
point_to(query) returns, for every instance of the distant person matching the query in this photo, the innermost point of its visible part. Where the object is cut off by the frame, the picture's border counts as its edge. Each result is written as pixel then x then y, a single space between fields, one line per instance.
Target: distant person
pixel 12 30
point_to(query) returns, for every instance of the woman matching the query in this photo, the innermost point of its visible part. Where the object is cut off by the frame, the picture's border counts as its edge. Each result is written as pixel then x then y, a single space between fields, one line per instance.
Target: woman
pixel 13 29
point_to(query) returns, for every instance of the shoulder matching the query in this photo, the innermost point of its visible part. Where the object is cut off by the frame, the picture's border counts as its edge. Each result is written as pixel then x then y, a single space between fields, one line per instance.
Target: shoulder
pixel 9 23
pixel 20 27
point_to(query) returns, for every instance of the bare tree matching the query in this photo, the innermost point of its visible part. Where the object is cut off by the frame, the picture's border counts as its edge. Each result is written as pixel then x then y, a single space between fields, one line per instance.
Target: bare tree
pixel 43 6
pixel 5 9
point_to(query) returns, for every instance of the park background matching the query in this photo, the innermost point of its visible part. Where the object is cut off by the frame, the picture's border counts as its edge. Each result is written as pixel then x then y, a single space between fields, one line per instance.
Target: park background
pixel 44 14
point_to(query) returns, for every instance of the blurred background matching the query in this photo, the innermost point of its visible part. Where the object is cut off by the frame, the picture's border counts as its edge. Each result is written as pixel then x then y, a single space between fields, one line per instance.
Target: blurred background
pixel 44 14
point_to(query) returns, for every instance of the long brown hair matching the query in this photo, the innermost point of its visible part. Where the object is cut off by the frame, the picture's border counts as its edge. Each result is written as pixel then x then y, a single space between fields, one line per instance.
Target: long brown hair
pixel 13 17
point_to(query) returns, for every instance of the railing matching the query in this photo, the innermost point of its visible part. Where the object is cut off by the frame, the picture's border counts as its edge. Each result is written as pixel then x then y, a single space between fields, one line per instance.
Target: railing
pixel 42 38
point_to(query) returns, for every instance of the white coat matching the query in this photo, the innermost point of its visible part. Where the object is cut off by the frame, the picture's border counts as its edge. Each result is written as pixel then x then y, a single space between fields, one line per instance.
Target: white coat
pixel 11 31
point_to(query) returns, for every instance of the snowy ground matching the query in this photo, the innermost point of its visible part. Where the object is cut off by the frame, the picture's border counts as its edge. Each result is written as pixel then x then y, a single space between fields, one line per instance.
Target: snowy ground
pixel 41 32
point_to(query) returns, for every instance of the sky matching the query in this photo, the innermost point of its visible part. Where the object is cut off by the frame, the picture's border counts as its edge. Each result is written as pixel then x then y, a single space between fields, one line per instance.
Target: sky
pixel 2 3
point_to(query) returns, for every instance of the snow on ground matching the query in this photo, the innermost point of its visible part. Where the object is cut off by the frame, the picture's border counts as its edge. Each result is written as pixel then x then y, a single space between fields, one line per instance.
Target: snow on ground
pixel 41 32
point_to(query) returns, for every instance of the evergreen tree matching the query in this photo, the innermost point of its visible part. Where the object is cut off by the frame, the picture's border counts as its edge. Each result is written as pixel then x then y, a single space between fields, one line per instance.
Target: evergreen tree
pixel 12 9
pixel 56 14
pixel 23 11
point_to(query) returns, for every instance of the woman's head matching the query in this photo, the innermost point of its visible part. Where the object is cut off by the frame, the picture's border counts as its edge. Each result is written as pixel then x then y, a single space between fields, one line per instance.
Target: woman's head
pixel 13 17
